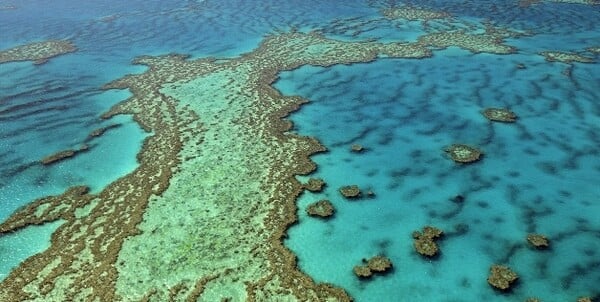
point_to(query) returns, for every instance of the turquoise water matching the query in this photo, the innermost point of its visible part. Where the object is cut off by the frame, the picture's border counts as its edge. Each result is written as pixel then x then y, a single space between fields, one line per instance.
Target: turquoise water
pixel 538 175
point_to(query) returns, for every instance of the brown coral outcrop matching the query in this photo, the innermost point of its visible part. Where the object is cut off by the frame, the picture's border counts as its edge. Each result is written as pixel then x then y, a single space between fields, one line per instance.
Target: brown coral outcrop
pixel 538 240
pixel 461 153
pixel 58 156
pixel 350 191
pixel 424 242
pixel 315 185
pixel 357 148
pixel 501 277
pixel 377 264
pixel 322 208
pixel 500 115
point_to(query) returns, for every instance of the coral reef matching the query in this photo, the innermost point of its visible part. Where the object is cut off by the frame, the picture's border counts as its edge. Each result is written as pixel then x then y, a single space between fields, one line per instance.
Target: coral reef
pixel 315 185
pixel 424 242
pixel 461 153
pixel 472 42
pixel 322 208
pixel 412 13
pixel 62 155
pixel 39 52
pixel 584 299
pixel 351 191
pixel 195 109
pixel 58 156
pixel 362 271
pixel 357 148
pixel 501 277
pixel 538 241
pixel 377 264
pixel 100 131
pixel 565 57
pixel 500 115
pixel 532 299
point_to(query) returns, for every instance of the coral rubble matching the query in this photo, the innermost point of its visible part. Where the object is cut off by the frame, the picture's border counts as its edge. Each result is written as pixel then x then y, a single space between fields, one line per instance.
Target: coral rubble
pixel 500 115
pixel 461 153
pixel 501 277
pixel 322 208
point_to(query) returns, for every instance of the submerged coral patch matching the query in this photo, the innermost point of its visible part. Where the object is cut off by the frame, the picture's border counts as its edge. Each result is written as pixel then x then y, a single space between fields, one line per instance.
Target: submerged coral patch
pixel 424 242
pixel 461 153
pixel 352 191
pixel 357 148
pixel 315 185
pixel 375 265
pixel 412 13
pixel 538 241
pixel 38 52
pixel 565 57
pixel 322 208
pixel 500 115
pixel 501 277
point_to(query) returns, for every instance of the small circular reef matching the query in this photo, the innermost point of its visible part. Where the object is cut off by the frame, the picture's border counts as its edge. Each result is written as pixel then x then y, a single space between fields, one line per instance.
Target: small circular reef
pixel 424 242
pixel 322 208
pixel 500 115
pixel 378 264
pixel 357 148
pixel 501 277
pixel 539 241
pixel 461 153
pixel 350 192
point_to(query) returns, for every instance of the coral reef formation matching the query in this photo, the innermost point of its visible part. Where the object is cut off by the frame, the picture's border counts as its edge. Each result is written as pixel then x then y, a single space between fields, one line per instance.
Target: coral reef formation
pixel 193 111
pixel 500 115
pixel 39 52
pixel 377 264
pixel 322 208
pixel 501 277
pixel 362 271
pixel 58 156
pixel 461 153
pixel 565 57
pixel 357 148
pixel 352 191
pixel 538 241
pixel 315 185
pixel 424 242
pixel 412 13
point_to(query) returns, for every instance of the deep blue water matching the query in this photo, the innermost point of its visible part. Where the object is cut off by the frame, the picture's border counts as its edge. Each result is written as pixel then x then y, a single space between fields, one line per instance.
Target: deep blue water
pixel 538 175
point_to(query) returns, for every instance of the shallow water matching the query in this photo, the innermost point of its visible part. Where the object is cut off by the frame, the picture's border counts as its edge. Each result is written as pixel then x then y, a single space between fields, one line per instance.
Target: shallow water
pixel 537 175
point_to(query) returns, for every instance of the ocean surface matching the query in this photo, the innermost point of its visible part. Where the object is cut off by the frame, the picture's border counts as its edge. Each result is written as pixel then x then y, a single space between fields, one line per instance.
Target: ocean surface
pixel 540 174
